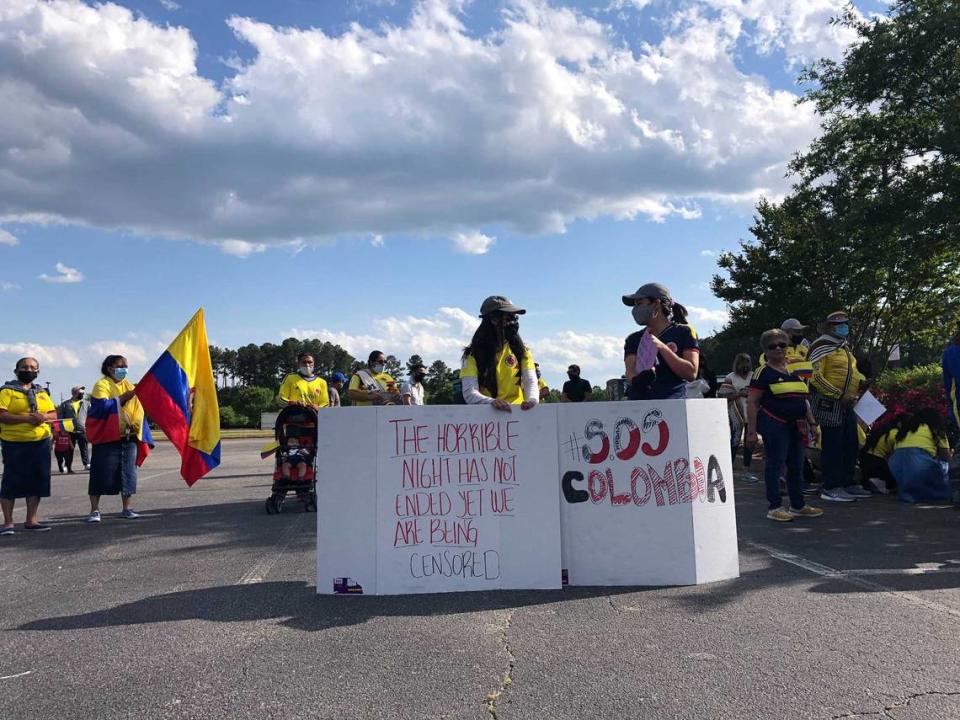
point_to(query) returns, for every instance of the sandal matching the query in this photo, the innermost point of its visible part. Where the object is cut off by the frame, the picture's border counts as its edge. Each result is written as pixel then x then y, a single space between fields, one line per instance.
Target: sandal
pixel 38 527
pixel 7 531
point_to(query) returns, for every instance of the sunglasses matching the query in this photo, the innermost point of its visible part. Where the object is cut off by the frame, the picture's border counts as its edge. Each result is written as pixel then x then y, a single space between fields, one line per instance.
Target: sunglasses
pixel 777 346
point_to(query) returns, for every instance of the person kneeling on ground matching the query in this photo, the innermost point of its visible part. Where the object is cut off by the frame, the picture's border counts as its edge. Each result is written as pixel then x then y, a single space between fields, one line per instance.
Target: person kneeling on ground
pixel 874 471
pixel 920 460
pixel 776 408
pixel 498 369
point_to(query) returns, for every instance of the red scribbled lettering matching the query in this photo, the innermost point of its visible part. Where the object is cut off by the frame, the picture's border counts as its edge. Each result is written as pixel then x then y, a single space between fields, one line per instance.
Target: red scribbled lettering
pixel 663 441
pixel 597 494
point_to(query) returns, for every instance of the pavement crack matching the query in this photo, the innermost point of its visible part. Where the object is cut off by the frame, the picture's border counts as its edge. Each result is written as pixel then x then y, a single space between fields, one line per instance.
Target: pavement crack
pixel 494 697
pixel 613 604
pixel 902 703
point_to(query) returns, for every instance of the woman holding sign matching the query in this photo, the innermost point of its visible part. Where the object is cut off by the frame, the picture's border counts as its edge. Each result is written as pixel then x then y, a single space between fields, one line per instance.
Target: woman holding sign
pixel 777 408
pixel 665 355
pixel 498 369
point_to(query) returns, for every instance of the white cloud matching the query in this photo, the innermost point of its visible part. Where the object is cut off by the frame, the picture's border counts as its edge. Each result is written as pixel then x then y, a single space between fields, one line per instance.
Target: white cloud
pixel 474 243
pixel 706 320
pixel 64 274
pixel 7 238
pixel 377 241
pixel 426 128
pixel 46 355
pixel 170 5
pixel 709 253
pixel 4 286
pixel 132 352
pixel 241 248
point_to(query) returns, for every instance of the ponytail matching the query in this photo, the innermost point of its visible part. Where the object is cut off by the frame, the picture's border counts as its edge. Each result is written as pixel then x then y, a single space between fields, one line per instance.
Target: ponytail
pixel 679 314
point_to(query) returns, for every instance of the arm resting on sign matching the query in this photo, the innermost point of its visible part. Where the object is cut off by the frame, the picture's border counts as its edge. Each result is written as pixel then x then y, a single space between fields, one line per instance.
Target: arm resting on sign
pixel 472 394
pixel 528 382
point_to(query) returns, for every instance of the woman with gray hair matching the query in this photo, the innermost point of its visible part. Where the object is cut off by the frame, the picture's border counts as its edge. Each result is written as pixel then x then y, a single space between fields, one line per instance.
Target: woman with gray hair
pixel 735 389
pixel 776 408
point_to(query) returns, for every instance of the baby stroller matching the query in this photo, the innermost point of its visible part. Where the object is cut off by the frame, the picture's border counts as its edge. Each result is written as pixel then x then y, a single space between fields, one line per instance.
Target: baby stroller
pixel 296 435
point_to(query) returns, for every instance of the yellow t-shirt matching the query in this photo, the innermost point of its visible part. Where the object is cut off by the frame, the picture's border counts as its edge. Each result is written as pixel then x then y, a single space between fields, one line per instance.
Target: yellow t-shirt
pixel 383 379
pixel 923 439
pixel 508 374
pixel 308 392
pixel 542 384
pixel 131 414
pixel 16 404
pixel 884 447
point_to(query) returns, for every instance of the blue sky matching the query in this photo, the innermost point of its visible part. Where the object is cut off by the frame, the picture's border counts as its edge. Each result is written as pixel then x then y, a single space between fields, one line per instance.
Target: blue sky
pixel 371 179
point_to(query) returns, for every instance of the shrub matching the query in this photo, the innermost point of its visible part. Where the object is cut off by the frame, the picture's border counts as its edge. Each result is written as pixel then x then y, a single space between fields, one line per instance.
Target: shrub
pixel 910 389
pixel 230 418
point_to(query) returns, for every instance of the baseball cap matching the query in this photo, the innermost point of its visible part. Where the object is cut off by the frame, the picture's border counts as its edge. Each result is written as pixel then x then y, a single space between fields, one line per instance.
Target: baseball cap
pixel 339 377
pixel 650 290
pixel 77 387
pixel 496 303
pixel 840 316
pixel 792 324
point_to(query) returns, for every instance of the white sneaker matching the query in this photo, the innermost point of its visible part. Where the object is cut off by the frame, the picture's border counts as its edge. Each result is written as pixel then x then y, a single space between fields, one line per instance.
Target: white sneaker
pixel 93 517
pixel 837 495
pixel 858 491
pixel 879 485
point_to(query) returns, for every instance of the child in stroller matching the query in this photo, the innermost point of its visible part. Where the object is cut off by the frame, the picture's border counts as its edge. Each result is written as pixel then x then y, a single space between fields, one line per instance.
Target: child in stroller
pixel 295 471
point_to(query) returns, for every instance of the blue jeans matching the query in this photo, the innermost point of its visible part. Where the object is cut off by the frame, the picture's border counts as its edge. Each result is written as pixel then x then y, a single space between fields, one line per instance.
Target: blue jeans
pixel 920 478
pixel 840 447
pixel 781 445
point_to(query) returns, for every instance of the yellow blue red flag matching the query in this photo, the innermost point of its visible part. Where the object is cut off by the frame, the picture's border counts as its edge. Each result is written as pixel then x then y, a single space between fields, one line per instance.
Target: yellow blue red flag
pixel 180 395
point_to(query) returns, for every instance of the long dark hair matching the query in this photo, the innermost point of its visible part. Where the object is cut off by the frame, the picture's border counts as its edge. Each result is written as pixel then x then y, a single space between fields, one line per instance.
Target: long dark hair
pixel 881 428
pixel 927 416
pixel 487 342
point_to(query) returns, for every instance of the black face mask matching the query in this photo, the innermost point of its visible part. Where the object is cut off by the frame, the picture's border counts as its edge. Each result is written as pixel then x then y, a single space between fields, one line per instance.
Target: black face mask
pixel 511 328
pixel 419 377
pixel 573 376
pixel 796 339
pixel 27 376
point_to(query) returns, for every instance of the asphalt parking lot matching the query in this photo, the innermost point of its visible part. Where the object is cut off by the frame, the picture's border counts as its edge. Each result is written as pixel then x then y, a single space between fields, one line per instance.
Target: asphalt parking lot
pixel 205 607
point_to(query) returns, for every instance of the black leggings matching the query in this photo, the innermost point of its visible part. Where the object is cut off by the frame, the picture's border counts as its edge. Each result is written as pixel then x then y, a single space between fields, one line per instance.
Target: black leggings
pixel 873 467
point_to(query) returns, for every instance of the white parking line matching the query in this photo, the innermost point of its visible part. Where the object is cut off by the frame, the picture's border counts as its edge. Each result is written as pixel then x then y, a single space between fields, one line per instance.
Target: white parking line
pixel 260 569
pixel 11 677
pixel 847 577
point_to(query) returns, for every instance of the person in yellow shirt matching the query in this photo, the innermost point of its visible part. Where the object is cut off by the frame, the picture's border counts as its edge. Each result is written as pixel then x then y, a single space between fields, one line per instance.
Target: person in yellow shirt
pixel 497 368
pixel 113 462
pixel 304 387
pixel 25 411
pixel 920 458
pixel 834 389
pixel 875 453
pixel 542 386
pixel 372 385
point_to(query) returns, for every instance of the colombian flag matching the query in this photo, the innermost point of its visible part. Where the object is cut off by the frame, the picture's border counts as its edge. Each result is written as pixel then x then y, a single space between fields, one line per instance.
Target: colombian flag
pixel 103 425
pixel 179 394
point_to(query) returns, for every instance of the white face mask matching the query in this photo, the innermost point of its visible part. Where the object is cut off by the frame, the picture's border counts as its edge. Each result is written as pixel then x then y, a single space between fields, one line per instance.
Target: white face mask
pixel 378 368
pixel 306 370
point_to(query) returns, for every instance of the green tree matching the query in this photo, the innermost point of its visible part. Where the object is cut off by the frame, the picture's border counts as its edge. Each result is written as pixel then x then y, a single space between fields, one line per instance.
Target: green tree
pixel 439 383
pixel 393 368
pixel 414 362
pixel 871 225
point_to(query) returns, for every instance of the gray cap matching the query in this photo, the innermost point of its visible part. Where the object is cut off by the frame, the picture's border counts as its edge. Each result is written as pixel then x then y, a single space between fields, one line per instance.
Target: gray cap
pixel 496 303
pixel 792 324
pixel 655 291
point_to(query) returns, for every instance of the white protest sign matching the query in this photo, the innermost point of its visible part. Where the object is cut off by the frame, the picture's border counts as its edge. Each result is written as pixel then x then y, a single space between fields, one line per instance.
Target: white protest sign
pixel 456 498
pixel 869 409
pixel 647 493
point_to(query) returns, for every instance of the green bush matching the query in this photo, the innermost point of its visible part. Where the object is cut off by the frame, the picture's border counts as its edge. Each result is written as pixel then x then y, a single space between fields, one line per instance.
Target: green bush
pixel 249 401
pixel 910 389
pixel 230 418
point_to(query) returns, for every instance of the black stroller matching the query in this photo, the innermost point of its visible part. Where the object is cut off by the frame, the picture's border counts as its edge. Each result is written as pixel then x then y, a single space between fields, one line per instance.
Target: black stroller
pixel 296 435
